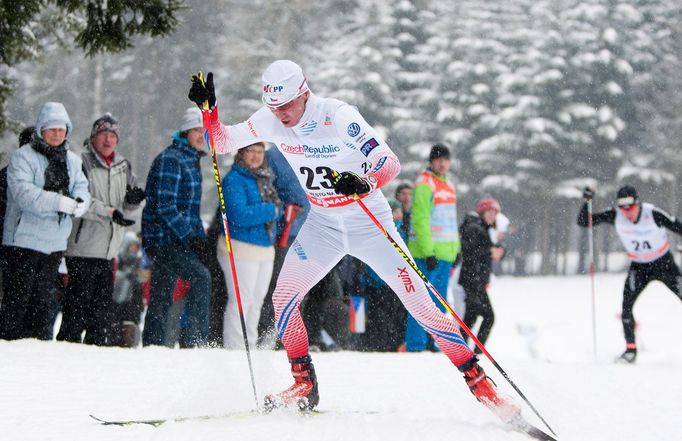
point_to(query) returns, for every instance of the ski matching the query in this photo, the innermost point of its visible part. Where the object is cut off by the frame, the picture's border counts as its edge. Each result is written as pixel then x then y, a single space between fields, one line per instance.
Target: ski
pixel 520 424
pixel 158 422
pixel 236 414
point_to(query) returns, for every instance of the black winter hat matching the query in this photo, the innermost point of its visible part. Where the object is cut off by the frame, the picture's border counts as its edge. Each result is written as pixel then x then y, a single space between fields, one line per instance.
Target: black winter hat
pixel 439 151
pixel 627 195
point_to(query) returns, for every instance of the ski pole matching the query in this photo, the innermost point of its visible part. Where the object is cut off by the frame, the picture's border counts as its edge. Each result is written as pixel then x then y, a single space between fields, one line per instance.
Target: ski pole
pixel 289 218
pixel 452 312
pixel 208 136
pixel 590 239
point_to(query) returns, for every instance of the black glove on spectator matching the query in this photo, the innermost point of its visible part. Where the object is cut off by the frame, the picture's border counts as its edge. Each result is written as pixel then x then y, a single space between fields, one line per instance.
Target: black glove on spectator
pixel 199 93
pixel 347 183
pixel 201 248
pixel 588 194
pixel 134 195
pixel 118 218
pixel 431 263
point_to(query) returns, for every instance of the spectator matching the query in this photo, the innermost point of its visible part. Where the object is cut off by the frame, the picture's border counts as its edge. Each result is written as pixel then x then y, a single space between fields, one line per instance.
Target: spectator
pixel 127 297
pixel 478 254
pixel 173 235
pixel 403 194
pixel 97 236
pixel 386 315
pixel 24 138
pixel 434 242
pixel 253 207
pixel 45 188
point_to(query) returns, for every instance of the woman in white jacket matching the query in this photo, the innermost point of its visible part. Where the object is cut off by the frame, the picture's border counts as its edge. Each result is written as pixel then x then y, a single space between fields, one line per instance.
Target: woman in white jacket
pixel 46 187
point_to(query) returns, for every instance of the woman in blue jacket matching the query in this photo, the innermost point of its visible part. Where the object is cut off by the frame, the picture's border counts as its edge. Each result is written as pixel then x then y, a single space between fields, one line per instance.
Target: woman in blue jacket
pixel 252 209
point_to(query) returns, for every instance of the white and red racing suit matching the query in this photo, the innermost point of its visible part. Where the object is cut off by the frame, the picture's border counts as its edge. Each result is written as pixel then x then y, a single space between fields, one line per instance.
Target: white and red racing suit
pixel 333 136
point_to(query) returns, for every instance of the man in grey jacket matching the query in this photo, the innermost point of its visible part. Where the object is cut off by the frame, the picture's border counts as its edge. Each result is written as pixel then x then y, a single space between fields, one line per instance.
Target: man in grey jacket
pixel 96 237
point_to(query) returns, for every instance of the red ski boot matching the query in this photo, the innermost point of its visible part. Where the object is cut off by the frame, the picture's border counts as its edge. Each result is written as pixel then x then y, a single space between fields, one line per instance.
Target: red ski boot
pixel 303 394
pixel 485 391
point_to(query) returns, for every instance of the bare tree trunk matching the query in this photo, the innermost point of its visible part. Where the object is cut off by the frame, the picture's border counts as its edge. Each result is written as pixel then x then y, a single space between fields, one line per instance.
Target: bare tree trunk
pixel 97 86
pixel 545 244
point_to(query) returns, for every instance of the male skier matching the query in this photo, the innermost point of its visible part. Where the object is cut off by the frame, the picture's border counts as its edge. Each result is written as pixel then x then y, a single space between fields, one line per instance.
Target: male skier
pixel 641 229
pixel 336 155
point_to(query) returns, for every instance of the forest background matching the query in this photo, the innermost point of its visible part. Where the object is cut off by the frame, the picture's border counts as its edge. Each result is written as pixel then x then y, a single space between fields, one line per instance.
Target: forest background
pixel 536 98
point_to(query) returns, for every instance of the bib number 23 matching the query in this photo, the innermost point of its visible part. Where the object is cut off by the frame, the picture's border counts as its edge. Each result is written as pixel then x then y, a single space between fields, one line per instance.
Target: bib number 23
pixel 318 178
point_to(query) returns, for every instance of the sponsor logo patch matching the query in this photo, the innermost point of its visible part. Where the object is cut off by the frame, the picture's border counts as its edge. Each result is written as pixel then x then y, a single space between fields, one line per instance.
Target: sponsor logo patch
pixel 406 279
pixel 252 129
pixel 273 88
pixel 321 150
pixel 332 201
pixel 292 149
pixel 380 164
pixel 298 249
pixel 353 129
pixel 370 145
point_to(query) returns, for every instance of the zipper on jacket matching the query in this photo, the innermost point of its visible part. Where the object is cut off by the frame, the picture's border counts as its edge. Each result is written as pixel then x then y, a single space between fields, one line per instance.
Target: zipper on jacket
pixel 78 232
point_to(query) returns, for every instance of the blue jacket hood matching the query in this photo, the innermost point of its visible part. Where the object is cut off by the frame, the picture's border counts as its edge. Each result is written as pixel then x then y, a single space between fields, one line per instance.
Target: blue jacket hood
pixel 52 111
pixel 176 137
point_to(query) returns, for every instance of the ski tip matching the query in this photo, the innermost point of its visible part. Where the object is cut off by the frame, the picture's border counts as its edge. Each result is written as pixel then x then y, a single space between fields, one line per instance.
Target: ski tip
pixel 520 424
pixel 105 422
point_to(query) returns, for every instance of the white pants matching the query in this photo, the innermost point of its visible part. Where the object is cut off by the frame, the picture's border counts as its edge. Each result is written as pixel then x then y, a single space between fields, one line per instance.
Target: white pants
pixel 326 236
pixel 254 278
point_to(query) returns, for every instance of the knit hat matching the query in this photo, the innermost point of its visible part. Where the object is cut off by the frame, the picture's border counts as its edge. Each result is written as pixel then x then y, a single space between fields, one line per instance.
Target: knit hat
pixel 627 196
pixel 439 151
pixel 283 81
pixel 488 204
pixel 105 123
pixel 191 119
pixel 53 115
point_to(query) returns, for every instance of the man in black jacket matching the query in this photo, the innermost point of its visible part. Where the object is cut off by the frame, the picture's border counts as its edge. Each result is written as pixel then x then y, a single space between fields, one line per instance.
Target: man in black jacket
pixel 478 254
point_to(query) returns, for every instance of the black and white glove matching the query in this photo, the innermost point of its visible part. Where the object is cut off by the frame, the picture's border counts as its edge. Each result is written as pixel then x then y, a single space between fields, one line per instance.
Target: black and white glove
pixel 199 92
pixel 67 205
pixel 118 218
pixel 134 195
pixel 588 194
pixel 348 183
pixel 81 208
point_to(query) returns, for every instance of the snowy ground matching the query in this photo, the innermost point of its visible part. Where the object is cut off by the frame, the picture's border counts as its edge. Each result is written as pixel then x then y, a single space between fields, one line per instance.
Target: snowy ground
pixel 542 338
